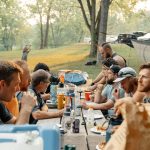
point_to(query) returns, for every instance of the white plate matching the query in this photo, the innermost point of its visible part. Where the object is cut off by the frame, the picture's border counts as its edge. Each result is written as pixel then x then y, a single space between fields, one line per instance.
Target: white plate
pixel 59 125
pixel 94 130
pixel 96 116
pixel 97 148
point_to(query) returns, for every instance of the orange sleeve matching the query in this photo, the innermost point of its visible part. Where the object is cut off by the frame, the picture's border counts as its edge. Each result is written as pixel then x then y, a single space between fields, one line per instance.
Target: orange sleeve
pixel 13 107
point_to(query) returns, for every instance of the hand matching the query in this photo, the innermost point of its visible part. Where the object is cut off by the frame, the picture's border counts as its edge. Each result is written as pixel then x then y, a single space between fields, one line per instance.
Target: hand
pixel 116 94
pixel 28 101
pixel 45 96
pixel 84 105
pixel 119 105
pixel 113 130
pixel 60 113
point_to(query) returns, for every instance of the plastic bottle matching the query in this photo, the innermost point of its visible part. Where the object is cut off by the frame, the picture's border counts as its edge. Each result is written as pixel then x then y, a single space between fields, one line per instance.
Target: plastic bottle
pixel 77 101
pixel 90 117
pixel 60 101
pixel 62 78
pixel 53 92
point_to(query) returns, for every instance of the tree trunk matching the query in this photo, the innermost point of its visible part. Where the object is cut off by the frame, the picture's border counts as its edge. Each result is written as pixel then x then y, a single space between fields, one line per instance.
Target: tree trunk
pixel 93 30
pixel 46 32
pixel 41 26
pixel 91 24
pixel 80 37
pixel 103 24
pixel 47 25
pixel 53 36
pixel 42 36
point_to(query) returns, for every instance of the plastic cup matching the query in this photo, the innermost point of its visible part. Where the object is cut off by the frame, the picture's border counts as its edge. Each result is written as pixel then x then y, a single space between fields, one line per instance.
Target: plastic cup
pixel 87 95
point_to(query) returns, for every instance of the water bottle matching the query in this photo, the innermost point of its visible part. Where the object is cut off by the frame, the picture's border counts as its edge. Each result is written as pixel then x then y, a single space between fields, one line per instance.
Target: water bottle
pixel 77 101
pixel 53 92
pixel 90 117
pixel 66 121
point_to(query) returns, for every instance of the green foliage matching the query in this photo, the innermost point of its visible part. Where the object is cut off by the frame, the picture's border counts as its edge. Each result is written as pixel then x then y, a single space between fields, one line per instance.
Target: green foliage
pixel 128 20
pixel 66 21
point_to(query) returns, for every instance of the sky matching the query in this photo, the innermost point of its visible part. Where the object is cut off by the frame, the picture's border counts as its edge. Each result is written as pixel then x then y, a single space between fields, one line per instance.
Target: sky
pixel 144 5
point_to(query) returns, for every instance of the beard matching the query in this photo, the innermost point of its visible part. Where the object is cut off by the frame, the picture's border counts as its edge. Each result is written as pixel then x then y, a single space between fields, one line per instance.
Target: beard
pixel 107 55
pixel 110 81
pixel 143 89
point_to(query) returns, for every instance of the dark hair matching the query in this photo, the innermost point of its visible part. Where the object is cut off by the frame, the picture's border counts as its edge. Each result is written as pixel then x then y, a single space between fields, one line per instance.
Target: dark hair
pixel 7 69
pixel 41 66
pixel 39 76
pixel 115 68
pixel 106 45
pixel 109 61
pixel 145 66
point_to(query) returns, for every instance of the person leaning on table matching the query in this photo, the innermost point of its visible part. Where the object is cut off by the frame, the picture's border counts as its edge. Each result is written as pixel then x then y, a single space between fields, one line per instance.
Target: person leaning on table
pixel 9 84
pixel 39 83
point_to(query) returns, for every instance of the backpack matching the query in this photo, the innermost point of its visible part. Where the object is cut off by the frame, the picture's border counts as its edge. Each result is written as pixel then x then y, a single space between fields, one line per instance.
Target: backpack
pixel 75 78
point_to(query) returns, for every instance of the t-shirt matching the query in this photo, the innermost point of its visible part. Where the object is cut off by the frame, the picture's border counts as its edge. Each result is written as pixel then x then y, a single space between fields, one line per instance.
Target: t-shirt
pixel 13 107
pixel 108 94
pixel 109 90
pixel 40 103
pixel 146 100
pixel 5 115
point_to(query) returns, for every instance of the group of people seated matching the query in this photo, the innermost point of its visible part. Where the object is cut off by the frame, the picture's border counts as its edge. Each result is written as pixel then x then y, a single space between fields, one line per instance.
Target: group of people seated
pixel 21 94
pixel 115 82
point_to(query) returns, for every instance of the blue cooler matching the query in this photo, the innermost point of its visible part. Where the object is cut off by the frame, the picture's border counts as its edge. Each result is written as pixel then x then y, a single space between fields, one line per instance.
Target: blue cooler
pixel 30 137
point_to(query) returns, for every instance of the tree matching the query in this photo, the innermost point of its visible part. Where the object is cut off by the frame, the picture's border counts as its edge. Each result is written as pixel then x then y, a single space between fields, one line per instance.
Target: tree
pixel 9 20
pixel 96 20
pixel 103 23
pixel 91 21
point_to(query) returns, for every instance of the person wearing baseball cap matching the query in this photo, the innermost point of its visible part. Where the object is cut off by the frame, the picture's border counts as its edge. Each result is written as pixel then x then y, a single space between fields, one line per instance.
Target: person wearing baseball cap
pixel 128 80
pixel 107 99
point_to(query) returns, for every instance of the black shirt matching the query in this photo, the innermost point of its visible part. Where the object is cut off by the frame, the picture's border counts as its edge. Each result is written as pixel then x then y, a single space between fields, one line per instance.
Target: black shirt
pixel 5 115
pixel 146 100
pixel 38 106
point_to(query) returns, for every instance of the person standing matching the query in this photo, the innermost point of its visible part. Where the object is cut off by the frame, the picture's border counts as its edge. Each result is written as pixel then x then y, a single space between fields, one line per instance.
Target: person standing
pixel 25 52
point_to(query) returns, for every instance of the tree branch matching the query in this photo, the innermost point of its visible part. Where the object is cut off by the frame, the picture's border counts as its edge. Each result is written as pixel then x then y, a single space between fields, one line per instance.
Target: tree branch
pixel 89 7
pixel 111 2
pixel 84 14
pixel 98 18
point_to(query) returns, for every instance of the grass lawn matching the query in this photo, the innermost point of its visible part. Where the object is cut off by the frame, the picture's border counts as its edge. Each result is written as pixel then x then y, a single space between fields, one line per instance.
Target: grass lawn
pixel 70 57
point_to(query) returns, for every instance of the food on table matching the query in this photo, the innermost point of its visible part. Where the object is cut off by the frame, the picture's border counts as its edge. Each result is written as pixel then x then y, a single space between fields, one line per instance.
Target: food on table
pixel 101 128
pixel 101 145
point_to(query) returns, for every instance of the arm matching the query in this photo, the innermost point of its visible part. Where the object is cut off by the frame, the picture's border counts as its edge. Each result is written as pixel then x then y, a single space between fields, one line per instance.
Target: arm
pixel 45 96
pixel 46 115
pixel 103 106
pixel 98 98
pixel 120 102
pixel 138 96
pixel 27 104
pixel 99 77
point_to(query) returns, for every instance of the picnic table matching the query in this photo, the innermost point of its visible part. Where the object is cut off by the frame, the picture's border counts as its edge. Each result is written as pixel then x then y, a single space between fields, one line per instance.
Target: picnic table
pixel 85 139
pixel 82 140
